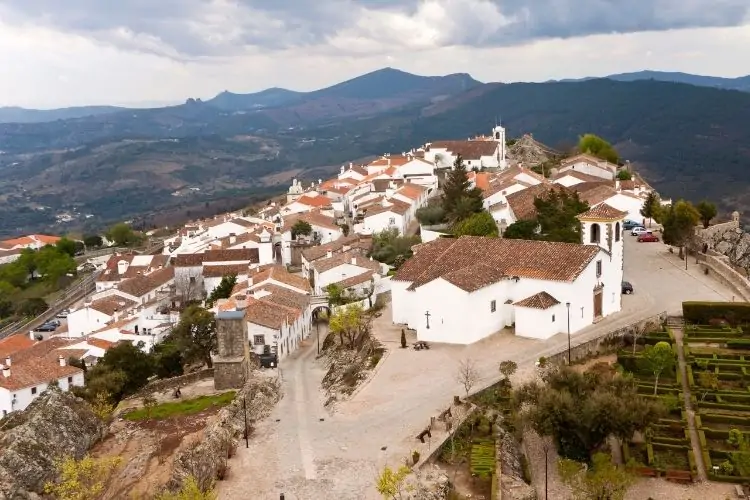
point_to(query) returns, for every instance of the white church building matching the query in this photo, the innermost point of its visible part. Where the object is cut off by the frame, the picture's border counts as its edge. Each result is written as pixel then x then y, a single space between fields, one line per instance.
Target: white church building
pixel 479 153
pixel 461 290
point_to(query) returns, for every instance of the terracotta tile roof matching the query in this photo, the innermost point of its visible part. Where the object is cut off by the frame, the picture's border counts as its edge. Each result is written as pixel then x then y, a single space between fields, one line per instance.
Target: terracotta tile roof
pixel 339 259
pixel 390 160
pixel 578 175
pixel 592 160
pixel 394 206
pixel 481 179
pixel 469 150
pixel 242 222
pixel 412 191
pixel 542 260
pixel 474 277
pixel 6 253
pixel 241 239
pixel 353 241
pixel 249 255
pixel 115 325
pixel 355 280
pixel 522 202
pixel 221 271
pixel 281 275
pixel 240 287
pixel 13 344
pixel 594 193
pixel 110 305
pixel 285 297
pixel 100 343
pixel 541 300
pixel 269 314
pixel 603 212
pixel 39 364
pixel 313 217
pixel 141 285
pixel 319 201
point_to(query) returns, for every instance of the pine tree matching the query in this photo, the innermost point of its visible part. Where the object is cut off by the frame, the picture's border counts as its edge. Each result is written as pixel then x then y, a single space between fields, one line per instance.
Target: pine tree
pixel 460 200
pixel 651 206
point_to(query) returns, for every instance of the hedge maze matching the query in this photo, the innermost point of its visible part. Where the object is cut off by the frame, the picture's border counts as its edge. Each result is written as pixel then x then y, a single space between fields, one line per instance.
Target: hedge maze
pixel 664 449
pixel 717 354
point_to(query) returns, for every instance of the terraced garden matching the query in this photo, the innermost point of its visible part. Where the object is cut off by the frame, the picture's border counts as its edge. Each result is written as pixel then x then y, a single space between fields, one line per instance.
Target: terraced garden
pixel 665 448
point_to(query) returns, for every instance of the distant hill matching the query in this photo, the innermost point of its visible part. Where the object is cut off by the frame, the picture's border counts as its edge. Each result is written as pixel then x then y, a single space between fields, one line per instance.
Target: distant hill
pixel 689 141
pixel 23 115
pixel 740 83
pixel 263 99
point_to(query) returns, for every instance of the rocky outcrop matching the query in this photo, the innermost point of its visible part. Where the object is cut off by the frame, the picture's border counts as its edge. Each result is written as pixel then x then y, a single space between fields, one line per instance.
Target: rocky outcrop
pixel 207 459
pixel 55 425
pixel 512 484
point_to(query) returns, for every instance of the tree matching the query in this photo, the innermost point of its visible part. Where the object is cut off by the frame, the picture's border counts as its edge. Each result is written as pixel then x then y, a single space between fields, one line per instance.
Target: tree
pixel 82 479
pixel 651 207
pixel 708 380
pixel 66 246
pixel 477 224
pixel 557 215
pixel 195 334
pixel 388 245
pixel 32 307
pixel 391 484
pixel 596 146
pixel 122 235
pixel 351 324
pixel 467 375
pixel 93 241
pixel 624 175
pixel 167 358
pixel 707 211
pixel 190 490
pixel 431 215
pixel 679 224
pixel 131 361
pixel 149 403
pixel 403 339
pixel 223 290
pixel 602 481
pixel 301 227
pixel 345 229
pixel 508 368
pixel 656 359
pixel 580 411
pixel 52 263
pixel 522 230
pixel 459 198
pixel 102 406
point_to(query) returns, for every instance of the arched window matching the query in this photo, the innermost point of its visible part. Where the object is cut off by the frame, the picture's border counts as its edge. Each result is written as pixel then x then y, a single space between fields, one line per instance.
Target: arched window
pixel 497 135
pixel 617 232
pixel 595 233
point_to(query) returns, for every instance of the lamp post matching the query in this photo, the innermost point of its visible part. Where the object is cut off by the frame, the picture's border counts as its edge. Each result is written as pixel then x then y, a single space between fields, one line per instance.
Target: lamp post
pixel 317 330
pixel 567 305
pixel 244 410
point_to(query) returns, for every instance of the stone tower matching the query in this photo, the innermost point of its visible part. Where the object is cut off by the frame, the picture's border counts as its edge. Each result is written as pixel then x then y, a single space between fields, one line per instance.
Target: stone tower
pixel 231 363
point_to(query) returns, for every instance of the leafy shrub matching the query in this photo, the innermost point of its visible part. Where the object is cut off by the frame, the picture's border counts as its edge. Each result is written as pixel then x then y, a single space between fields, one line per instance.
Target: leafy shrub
pixel 431 215
pixel 483 458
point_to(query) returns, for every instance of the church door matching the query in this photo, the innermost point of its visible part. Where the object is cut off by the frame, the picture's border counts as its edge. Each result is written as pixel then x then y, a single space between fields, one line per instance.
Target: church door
pixel 598 302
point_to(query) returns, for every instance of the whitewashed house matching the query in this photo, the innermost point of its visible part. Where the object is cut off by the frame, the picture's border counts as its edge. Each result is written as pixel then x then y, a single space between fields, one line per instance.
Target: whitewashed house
pixel 337 268
pixel 418 171
pixel 534 285
pixel 120 267
pixel 353 173
pixel 26 371
pixel 311 200
pixel 589 165
pixel 478 153
pixel 388 214
pixel 98 313
pixel 353 243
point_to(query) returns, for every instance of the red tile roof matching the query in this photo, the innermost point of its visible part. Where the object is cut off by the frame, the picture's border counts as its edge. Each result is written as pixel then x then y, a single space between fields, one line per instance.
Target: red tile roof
pixel 281 275
pixel 542 260
pixel 363 243
pixel 319 201
pixel 249 255
pixel 469 150
pixel 221 271
pixel 522 202
pixel 541 300
pixel 603 212
pixel 141 285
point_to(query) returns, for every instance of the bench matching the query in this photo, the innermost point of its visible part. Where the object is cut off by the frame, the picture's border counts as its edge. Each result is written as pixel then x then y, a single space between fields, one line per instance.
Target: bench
pixel 679 476
pixel 739 491
pixel 646 471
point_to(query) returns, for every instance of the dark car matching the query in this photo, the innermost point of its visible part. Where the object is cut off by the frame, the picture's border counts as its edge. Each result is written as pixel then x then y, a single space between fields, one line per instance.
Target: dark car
pixel 46 328
pixel 627 288
pixel 628 225
pixel 647 238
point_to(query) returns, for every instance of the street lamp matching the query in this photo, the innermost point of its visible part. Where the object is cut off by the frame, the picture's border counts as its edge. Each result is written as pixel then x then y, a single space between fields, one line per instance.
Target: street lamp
pixel 244 409
pixel 567 304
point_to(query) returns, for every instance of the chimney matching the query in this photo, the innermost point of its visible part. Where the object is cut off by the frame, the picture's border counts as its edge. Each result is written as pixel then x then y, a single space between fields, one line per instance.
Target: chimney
pixel 61 360
pixel 7 361
pixel 116 315
pixel 232 238
pixel 6 372
pixel 122 267
pixel 351 165
pixel 354 260
pixel 329 254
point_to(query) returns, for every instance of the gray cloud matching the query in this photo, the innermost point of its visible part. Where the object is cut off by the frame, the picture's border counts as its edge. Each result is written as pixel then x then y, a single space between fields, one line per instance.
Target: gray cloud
pixel 194 28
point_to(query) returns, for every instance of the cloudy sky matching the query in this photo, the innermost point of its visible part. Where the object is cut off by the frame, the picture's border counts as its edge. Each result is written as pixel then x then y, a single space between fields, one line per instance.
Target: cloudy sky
pixel 140 52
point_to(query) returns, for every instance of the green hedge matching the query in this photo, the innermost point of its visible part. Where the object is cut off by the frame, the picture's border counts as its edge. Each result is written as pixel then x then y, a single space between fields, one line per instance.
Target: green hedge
pixel 725 406
pixel 719 418
pixel 728 479
pixel 738 343
pixel 735 313
pixel 702 439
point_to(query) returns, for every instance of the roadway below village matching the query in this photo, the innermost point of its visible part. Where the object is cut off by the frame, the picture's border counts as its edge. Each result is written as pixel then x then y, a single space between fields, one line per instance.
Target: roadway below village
pixel 309 453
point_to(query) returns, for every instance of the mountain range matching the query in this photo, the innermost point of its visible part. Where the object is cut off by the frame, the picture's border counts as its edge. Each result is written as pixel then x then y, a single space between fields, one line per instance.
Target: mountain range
pixel 158 165
pixel 740 83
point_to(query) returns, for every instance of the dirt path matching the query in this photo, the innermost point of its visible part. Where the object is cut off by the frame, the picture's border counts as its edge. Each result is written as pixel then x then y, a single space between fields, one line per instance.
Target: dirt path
pixel 677 325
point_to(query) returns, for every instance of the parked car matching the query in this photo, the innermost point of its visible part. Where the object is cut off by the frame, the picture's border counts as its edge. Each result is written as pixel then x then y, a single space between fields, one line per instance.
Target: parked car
pixel 628 225
pixel 627 288
pixel 46 328
pixel 64 313
pixel 647 238
pixel 638 230
pixel 53 322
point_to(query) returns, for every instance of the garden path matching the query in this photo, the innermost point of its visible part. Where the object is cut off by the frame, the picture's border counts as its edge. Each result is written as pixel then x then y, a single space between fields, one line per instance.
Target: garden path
pixel 677 325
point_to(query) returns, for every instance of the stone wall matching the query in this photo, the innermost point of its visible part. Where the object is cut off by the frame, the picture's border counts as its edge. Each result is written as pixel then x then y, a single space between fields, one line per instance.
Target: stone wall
pixel 165 384
pixel 229 374
pixel 710 233
pixel 720 268
pixel 607 342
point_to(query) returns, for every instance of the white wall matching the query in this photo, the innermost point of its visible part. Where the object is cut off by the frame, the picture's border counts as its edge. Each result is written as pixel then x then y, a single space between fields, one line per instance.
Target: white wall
pixel 428 235
pixel 337 274
pixel 24 397
pixel 587 168
pixel 626 203
pixel 86 320
pixel 384 220
pixel 540 323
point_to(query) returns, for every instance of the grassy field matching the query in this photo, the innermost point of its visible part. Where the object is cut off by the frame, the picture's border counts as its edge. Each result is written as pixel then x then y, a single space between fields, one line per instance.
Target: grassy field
pixel 180 408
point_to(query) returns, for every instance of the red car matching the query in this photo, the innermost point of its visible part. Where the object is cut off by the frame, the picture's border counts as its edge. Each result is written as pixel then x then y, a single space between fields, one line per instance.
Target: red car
pixel 647 238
